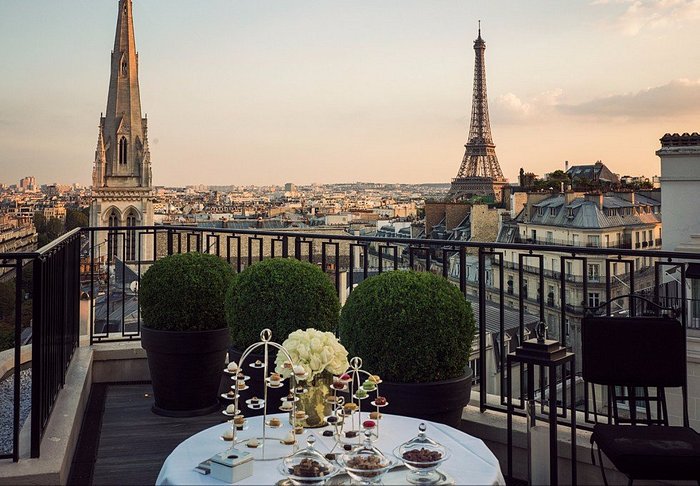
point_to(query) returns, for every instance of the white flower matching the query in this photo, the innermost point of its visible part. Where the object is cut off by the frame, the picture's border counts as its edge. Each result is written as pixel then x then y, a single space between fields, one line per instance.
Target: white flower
pixel 315 350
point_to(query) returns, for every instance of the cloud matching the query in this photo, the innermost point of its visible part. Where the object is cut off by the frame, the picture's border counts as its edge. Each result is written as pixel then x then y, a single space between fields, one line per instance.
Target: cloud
pixel 640 15
pixel 677 98
pixel 509 108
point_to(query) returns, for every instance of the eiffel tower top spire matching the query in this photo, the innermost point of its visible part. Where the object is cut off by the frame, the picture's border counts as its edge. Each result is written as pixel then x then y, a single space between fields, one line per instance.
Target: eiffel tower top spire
pixel 479 169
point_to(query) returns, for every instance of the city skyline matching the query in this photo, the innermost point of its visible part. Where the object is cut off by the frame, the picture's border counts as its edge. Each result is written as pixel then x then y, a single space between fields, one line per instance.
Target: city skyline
pixel 314 93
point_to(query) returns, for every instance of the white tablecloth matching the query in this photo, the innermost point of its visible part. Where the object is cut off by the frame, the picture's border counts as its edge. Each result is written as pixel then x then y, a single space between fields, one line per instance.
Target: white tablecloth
pixel 471 462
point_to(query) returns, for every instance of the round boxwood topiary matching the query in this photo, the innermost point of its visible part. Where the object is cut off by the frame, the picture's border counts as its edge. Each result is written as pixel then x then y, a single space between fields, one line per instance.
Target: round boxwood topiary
pixel 282 294
pixel 185 292
pixel 408 327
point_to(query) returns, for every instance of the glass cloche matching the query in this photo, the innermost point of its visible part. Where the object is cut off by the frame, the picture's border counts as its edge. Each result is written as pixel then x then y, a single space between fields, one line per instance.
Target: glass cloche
pixel 422 456
pixel 366 464
pixel 307 466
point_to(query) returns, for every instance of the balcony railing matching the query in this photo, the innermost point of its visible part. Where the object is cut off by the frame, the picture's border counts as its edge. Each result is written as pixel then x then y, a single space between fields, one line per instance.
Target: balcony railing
pixel 12 269
pixel 585 244
pixel 55 319
pixel 104 266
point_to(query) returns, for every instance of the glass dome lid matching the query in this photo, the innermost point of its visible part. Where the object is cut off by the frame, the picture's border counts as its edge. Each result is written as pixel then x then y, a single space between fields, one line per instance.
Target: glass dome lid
pixel 366 464
pixel 422 456
pixel 307 466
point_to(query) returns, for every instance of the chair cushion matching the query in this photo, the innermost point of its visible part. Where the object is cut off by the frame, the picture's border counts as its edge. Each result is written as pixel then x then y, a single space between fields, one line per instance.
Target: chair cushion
pixel 650 452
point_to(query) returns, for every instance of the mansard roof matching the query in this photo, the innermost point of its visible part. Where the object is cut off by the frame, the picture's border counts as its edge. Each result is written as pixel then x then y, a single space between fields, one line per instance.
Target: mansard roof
pixel 594 172
pixel 585 214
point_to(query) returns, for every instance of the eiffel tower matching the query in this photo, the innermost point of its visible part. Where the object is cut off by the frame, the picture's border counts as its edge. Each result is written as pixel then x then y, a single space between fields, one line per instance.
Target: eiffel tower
pixel 479 174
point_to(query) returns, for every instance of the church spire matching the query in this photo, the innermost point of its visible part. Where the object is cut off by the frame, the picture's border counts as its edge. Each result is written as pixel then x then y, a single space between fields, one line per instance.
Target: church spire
pixel 123 128
pixel 98 169
pixel 122 194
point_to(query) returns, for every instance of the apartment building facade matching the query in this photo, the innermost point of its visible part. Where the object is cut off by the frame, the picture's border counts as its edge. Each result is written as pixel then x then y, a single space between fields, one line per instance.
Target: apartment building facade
pixel 580 283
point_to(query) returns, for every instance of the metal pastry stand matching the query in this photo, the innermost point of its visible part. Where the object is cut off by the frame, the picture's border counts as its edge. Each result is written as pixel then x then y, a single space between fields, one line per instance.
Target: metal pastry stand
pixel 551 365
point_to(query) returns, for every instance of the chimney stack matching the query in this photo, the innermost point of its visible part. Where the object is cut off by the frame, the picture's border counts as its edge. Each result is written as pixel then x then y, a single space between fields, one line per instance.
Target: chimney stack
pixel 595 197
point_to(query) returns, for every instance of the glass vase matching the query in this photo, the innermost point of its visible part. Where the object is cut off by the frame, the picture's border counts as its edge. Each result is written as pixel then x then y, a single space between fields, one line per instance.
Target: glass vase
pixel 314 402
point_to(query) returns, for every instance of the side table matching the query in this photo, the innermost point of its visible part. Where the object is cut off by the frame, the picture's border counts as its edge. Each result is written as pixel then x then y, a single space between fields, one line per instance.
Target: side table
pixel 551 364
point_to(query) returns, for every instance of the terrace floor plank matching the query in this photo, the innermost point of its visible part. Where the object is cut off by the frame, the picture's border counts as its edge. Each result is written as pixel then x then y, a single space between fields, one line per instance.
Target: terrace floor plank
pixel 134 441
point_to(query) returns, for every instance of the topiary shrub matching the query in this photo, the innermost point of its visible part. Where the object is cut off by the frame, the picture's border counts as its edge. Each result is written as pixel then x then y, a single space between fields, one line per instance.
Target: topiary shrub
pixel 408 327
pixel 281 294
pixel 185 292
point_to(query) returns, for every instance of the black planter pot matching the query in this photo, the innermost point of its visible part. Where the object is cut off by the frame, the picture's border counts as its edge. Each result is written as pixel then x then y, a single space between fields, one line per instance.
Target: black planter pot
pixel 437 401
pixel 185 369
pixel 256 386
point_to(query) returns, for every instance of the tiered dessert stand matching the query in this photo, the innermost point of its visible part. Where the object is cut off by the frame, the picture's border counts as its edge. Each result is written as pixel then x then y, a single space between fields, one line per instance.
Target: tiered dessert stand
pixel 347 414
pixel 289 403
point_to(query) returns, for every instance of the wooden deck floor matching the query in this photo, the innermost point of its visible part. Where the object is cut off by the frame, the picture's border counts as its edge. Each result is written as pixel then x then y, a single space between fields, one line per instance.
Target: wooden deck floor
pixel 133 441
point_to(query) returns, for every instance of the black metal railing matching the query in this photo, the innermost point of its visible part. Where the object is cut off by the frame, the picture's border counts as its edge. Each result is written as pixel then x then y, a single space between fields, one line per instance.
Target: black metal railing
pixel 110 277
pixel 586 244
pixel 50 295
pixel 55 326
pixel 12 271
pixel 104 266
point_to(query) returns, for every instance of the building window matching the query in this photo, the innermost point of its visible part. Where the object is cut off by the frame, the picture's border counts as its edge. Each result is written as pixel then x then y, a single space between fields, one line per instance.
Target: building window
pixel 550 238
pixel 569 268
pixel 593 272
pixel 552 211
pixel 525 288
pixel 540 211
pixel 574 239
pixel 593 299
pixel 593 241
pixel 122 150
pixel 550 295
pixel 534 235
pixel 510 285
pixel 570 212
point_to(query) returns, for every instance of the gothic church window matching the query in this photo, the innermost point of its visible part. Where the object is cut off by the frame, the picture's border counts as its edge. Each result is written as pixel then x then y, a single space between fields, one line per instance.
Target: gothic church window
pixel 112 238
pixel 131 236
pixel 113 219
pixel 122 150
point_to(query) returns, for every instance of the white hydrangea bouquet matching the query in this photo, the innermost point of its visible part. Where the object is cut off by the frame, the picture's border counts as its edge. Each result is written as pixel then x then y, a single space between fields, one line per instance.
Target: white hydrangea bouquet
pixel 315 351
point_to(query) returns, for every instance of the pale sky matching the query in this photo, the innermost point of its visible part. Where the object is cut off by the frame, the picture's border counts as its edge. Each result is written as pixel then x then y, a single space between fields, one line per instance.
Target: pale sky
pixel 273 91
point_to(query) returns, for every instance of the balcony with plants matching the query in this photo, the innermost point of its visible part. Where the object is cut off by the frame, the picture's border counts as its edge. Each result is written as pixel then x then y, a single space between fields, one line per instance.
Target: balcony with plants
pixel 213 291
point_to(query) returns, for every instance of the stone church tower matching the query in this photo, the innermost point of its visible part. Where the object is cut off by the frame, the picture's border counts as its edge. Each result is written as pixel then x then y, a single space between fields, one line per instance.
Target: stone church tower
pixel 121 177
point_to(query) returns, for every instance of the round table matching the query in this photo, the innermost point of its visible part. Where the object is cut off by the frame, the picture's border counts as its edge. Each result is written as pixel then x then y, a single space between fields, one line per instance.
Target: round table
pixel 471 462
